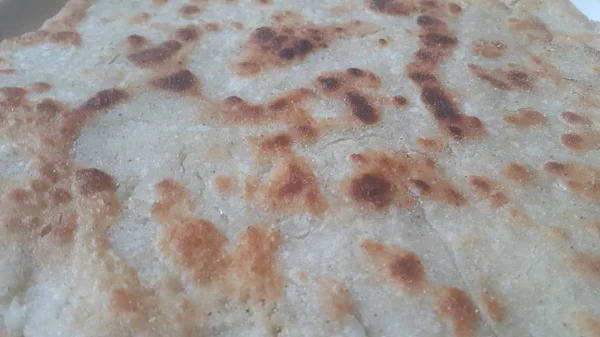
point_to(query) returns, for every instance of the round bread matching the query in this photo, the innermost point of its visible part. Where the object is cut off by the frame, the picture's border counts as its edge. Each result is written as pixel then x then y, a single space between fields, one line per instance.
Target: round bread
pixel 301 168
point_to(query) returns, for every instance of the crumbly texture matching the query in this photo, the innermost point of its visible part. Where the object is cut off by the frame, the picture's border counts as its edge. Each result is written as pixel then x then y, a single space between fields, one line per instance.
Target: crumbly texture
pixel 301 168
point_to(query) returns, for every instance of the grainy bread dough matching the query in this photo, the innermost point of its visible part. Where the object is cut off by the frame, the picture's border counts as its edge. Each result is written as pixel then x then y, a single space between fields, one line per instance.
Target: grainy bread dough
pixel 301 168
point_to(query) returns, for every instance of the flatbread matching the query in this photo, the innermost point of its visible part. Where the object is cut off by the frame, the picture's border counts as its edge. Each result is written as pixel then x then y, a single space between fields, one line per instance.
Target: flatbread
pixel 301 168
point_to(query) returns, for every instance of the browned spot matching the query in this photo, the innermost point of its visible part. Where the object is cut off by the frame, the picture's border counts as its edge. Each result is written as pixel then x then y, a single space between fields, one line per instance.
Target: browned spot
pixel 454 8
pixel 400 100
pixel 455 306
pixel 13 96
pixel 140 18
pixel 105 99
pixel 285 108
pixel 264 2
pixel 294 186
pixel 488 49
pixel 136 41
pixel 66 37
pixel 488 189
pixel 587 265
pixel 586 324
pixel 40 86
pixel 334 300
pixel 287 44
pixel 254 265
pixel 91 181
pixel 576 119
pixel 172 201
pixel 581 142
pixel 49 108
pixel 8 71
pixel 272 146
pixel 180 82
pixel 382 42
pixel 429 145
pixel 188 34
pixel 517 173
pixel 238 25
pixel 190 10
pixel 211 27
pixel 223 183
pixel 394 7
pixel 381 179
pixel 372 189
pixel 155 55
pixel 361 108
pixel 398 265
pixel 525 118
pixel 492 306
pixel 159 2
pixel 512 78
pixel 531 26
pixel 581 180
pixel 195 245
pixel 594 227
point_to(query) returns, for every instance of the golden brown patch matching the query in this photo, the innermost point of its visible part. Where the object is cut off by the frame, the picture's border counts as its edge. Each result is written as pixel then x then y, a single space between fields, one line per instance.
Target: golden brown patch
pixel 381 179
pixel 455 306
pixel 525 118
pixel 254 264
pixel 576 119
pixel 586 265
pixel 173 200
pixel 581 180
pixel 594 227
pixel 223 183
pixel 282 45
pixel 488 49
pixel 398 265
pixel 429 145
pixel 517 173
pixel 581 142
pixel 272 146
pixel 586 324
pixel 492 306
pixel 512 78
pixel 334 300
pixel 486 188
pixel 40 87
pixel 293 186
pixel 531 26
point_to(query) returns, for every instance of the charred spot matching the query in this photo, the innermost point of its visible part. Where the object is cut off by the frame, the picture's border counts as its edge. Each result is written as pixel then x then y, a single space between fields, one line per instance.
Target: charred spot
pixel 105 99
pixel 400 100
pixel 373 189
pixel 329 83
pixel 265 37
pixel 422 76
pixel 180 81
pixel 361 108
pixel 136 40
pixel 286 53
pixel 433 39
pixel 189 10
pixel 355 72
pixel 441 105
pixel 92 181
pixel 455 132
pixel 390 7
pixel 302 47
pixel 520 79
pixel 151 56
pixel 429 21
pixel 187 34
